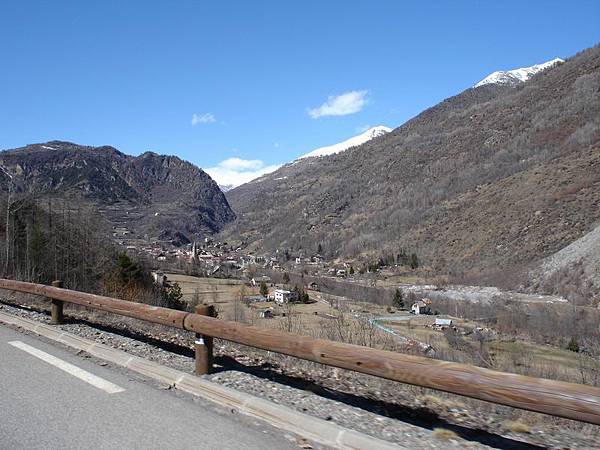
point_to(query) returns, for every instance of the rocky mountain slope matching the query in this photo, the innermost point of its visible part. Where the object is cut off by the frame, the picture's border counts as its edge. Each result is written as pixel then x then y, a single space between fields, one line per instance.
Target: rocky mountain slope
pixel 495 177
pixel 573 272
pixel 150 194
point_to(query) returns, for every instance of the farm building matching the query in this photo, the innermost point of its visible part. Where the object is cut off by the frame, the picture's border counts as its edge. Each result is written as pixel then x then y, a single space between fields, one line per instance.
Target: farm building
pixel 159 278
pixel 248 299
pixel 265 313
pixel 420 307
pixel 442 323
pixel 282 296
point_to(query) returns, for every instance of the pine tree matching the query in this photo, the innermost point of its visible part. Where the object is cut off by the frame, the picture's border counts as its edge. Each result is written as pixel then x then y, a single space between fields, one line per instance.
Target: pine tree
pixel 264 290
pixel 286 278
pixel 304 297
pixel 174 297
pixel 414 261
pixel 573 345
pixel 398 299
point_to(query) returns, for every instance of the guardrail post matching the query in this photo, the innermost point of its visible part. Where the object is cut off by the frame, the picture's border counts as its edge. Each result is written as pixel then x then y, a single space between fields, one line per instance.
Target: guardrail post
pixel 203 345
pixel 56 307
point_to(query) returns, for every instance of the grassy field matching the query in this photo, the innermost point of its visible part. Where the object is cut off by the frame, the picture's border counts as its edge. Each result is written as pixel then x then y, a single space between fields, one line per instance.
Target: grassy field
pixel 514 355
pixel 210 290
pixel 226 294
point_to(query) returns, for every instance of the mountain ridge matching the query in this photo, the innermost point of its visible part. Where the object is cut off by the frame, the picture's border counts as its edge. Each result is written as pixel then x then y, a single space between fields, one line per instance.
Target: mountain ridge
pixel 165 193
pixel 516 76
pixel 354 141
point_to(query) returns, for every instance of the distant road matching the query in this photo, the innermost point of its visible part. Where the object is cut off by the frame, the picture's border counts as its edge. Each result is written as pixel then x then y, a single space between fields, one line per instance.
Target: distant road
pixel 52 399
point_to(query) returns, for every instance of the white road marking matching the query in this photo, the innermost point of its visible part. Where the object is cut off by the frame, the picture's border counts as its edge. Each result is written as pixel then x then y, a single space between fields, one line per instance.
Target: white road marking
pixel 88 377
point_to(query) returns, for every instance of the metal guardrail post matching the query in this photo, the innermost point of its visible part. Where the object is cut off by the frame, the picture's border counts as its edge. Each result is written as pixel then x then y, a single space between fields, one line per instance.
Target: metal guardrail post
pixel 203 345
pixel 56 307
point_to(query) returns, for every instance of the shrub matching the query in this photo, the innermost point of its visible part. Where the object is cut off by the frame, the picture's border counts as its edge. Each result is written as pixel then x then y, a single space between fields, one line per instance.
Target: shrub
pixel 516 426
pixel 573 345
pixel 444 434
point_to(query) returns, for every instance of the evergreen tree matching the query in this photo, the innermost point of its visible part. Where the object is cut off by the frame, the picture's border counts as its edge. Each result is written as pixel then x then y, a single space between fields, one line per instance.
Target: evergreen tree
pixel 398 299
pixel 304 297
pixel 128 271
pixel 174 297
pixel 264 290
pixel 286 278
pixel 351 271
pixel 573 345
pixel 298 292
pixel 414 261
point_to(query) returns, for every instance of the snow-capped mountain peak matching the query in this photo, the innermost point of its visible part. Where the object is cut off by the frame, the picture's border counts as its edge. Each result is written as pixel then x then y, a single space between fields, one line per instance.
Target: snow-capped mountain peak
pixel 516 76
pixel 367 135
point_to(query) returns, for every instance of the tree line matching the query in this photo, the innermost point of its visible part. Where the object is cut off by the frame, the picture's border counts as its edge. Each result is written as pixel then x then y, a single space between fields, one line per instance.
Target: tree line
pixel 48 239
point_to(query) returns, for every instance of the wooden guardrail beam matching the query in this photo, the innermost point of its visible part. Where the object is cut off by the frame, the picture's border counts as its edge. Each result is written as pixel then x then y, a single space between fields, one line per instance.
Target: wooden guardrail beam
pixel 557 398
pixel 155 314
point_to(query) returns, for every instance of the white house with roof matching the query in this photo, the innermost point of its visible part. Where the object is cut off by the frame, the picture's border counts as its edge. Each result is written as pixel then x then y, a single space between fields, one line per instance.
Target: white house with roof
pixel 420 307
pixel 282 296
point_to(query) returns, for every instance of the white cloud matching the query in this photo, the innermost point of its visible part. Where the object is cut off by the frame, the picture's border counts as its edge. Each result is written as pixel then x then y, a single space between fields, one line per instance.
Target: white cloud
pixel 233 172
pixel 340 105
pixel 239 164
pixel 203 118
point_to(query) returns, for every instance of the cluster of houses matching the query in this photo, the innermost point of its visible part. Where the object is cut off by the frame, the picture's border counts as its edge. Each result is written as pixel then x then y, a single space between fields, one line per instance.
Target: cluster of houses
pixel 213 256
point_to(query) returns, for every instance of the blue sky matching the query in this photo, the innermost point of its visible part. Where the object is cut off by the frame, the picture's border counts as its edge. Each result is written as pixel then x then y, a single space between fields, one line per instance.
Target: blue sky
pixel 211 81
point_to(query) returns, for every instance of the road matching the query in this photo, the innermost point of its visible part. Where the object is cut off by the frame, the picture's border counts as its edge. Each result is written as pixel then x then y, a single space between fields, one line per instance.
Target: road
pixel 51 399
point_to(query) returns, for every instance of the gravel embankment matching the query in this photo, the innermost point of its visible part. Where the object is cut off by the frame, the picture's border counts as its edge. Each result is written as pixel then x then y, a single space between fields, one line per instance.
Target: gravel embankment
pixel 391 411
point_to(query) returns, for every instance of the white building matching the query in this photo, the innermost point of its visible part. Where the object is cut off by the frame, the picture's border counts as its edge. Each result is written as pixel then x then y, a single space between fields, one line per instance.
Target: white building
pixel 282 296
pixel 420 307
pixel 159 278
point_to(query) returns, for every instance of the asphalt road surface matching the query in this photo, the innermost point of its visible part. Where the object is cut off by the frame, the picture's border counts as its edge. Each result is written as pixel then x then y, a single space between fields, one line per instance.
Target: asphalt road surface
pixel 53 399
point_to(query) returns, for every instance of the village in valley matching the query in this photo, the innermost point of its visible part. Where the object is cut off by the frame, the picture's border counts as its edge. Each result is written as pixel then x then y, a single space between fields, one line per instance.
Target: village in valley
pixel 390 307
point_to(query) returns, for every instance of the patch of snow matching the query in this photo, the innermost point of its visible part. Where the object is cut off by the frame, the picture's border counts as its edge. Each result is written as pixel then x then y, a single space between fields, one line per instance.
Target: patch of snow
pixel 348 143
pixel 48 148
pixel 226 187
pixel 516 76
pixel 280 178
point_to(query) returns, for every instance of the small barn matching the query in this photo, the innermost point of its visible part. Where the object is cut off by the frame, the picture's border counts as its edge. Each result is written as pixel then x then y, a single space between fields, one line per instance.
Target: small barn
pixel 420 307
pixel 442 324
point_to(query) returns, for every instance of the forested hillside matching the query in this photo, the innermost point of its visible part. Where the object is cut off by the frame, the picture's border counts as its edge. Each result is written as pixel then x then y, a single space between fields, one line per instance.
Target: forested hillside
pixel 153 195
